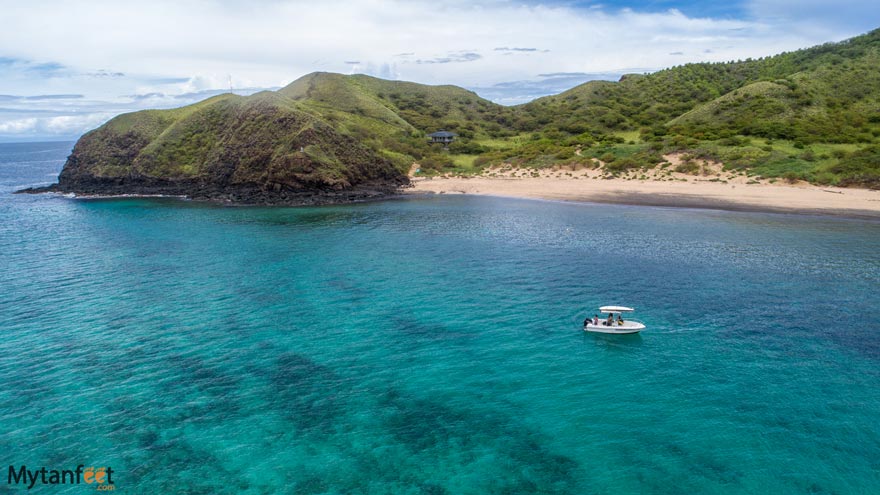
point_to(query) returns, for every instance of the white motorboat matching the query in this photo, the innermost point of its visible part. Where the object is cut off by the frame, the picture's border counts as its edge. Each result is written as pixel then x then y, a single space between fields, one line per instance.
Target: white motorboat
pixel 613 322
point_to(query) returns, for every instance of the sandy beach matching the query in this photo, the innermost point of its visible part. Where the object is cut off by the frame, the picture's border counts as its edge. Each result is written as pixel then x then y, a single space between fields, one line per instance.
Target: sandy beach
pixel 712 189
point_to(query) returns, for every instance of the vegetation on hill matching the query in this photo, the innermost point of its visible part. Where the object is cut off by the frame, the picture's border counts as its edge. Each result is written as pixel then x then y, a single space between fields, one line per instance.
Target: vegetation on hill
pixel 791 115
pixel 394 117
pixel 812 114
pixel 259 148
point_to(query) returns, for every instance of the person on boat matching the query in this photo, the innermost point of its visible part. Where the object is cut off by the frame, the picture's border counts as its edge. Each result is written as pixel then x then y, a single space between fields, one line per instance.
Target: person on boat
pixel 609 321
pixel 596 320
pixel 620 319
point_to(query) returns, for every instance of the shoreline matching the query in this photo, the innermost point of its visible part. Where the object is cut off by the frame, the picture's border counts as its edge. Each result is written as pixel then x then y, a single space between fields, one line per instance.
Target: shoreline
pixel 802 199
pixel 241 195
pixel 683 193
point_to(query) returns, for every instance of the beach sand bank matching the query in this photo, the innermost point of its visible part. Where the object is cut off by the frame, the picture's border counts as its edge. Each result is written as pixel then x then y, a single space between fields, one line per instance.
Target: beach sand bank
pixel 727 192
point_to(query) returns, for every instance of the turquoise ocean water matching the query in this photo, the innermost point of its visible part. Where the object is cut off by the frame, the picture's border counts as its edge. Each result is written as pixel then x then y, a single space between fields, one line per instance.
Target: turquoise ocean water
pixel 433 346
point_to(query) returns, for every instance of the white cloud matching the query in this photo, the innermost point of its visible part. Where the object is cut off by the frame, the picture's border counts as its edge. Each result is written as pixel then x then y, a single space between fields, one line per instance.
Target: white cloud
pixel 171 47
pixel 19 126
pixel 61 126
pixel 272 42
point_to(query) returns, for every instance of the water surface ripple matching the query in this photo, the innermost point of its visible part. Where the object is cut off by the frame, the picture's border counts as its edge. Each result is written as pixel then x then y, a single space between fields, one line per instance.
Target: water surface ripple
pixel 432 345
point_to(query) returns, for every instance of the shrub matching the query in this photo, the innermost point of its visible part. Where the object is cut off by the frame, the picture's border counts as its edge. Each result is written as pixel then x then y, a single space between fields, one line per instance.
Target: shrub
pixel 808 156
pixel 565 154
pixel 482 161
pixel 622 165
pixel 608 158
pixel 435 163
pixel 466 147
pixel 688 167
pixel 825 178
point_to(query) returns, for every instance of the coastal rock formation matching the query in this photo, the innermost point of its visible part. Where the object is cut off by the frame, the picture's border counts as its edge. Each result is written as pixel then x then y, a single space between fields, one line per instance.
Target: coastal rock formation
pixel 259 149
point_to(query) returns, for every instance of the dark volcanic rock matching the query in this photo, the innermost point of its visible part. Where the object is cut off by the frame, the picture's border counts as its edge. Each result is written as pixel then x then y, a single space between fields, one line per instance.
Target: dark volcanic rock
pixel 240 194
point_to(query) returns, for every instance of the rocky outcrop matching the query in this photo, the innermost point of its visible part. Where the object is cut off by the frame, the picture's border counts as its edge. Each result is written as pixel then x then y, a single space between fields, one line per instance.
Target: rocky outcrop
pixel 260 149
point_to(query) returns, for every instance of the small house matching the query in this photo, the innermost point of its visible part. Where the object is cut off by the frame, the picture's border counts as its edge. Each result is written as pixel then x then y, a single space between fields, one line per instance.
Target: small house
pixel 443 137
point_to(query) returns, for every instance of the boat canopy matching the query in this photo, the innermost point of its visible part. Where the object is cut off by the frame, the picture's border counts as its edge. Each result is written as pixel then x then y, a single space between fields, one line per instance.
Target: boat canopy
pixel 615 309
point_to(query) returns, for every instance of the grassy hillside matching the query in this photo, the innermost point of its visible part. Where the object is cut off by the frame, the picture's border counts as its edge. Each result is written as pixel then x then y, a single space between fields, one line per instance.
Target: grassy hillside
pixel 394 117
pixel 409 106
pixel 745 114
pixel 262 142
pixel 834 76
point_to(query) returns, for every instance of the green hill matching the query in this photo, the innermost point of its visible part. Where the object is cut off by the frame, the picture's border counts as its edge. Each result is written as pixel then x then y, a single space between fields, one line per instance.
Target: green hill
pixel 830 103
pixel 822 102
pixel 262 148
pixel 393 117
pixel 830 81
pixel 403 105
pixel 407 106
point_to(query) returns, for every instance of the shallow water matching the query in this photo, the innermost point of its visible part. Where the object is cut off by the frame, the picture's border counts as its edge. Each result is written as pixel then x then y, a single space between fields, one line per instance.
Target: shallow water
pixel 433 345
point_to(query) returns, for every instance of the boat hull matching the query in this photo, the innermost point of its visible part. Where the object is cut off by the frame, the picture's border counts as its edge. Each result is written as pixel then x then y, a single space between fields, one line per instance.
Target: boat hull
pixel 628 327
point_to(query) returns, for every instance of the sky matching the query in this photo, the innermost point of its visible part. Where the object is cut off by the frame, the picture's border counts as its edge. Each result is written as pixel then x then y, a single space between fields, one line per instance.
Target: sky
pixel 67 67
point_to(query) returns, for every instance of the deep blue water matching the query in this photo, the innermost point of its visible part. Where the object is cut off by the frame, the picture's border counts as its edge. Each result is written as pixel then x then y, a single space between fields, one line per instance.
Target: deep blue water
pixel 433 345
